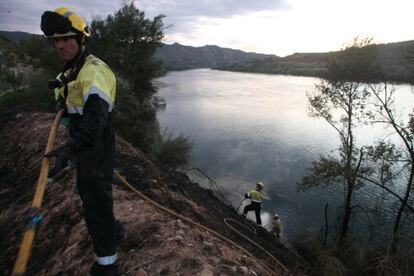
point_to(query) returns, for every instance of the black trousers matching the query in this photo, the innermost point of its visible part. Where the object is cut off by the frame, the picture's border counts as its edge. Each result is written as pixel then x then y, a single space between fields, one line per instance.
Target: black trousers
pixel 256 207
pixel 94 181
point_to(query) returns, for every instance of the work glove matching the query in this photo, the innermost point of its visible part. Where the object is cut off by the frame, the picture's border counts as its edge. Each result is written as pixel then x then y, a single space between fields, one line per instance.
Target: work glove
pixel 65 156
pixel 246 195
pixel 60 104
pixel 55 83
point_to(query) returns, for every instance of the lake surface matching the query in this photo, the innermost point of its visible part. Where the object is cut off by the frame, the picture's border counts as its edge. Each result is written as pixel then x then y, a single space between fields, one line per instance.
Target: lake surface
pixel 254 127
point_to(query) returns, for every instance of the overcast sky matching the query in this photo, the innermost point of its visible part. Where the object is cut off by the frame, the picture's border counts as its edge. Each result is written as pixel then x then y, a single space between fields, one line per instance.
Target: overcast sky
pixel 279 27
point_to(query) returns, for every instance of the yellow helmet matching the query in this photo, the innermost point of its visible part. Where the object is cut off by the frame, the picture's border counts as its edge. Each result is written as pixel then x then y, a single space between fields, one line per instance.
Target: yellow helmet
pixel 260 185
pixel 63 22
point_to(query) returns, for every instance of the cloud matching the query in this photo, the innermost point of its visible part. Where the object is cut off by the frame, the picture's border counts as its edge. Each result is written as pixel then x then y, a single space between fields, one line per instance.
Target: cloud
pixel 208 8
pixel 190 22
pixel 21 15
pixel 188 19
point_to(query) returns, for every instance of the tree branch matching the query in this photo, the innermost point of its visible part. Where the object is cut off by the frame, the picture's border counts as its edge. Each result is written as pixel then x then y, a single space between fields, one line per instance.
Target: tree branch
pixel 388 190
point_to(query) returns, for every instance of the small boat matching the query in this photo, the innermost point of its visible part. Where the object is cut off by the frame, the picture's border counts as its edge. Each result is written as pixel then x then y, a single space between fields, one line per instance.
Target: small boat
pixel 159 101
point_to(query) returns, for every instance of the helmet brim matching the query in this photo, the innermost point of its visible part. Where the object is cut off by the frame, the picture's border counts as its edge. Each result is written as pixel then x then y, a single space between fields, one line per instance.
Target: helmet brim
pixel 70 33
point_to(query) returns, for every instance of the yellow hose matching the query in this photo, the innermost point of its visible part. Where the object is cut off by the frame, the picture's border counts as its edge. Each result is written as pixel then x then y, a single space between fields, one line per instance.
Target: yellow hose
pixel 26 245
pixel 226 220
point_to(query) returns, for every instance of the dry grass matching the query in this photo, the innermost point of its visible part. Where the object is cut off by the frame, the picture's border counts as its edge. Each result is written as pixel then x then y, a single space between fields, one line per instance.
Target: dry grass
pixel 349 260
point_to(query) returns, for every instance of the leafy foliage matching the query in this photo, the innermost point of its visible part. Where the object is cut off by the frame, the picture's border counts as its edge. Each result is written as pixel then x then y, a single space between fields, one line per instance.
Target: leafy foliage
pixel 34 97
pixel 174 151
pixel 40 53
pixel 384 157
pixel 135 121
pixel 326 171
pixel 341 99
pixel 24 67
pixel 357 62
pixel 127 41
pixel 10 75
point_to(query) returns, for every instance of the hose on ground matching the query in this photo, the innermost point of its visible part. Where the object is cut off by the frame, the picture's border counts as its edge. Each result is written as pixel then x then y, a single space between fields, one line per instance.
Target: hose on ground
pixel 197 225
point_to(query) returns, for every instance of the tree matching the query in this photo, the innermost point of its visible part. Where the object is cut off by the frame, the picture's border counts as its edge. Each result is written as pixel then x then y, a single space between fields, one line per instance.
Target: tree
pixel 10 71
pixel 39 53
pixel 127 41
pixel 395 161
pixel 340 99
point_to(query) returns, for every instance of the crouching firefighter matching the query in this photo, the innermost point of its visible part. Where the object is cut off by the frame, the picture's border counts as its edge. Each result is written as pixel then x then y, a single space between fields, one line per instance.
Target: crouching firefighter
pixel 86 89
pixel 277 227
pixel 256 196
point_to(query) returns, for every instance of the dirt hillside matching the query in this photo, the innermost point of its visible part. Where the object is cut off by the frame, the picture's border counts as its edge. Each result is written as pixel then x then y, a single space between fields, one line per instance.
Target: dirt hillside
pixel 155 242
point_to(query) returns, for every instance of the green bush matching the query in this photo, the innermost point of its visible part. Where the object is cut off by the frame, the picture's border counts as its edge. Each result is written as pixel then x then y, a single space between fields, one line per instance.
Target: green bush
pixel 174 152
pixel 35 96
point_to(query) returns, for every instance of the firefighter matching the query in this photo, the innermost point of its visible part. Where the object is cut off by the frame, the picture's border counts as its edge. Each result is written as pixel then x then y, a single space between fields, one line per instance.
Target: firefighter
pixel 277 226
pixel 256 196
pixel 86 90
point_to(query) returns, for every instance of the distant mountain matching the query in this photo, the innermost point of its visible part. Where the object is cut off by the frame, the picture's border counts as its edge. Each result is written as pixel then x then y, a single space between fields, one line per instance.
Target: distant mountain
pixel 396 59
pixel 16 36
pixel 180 57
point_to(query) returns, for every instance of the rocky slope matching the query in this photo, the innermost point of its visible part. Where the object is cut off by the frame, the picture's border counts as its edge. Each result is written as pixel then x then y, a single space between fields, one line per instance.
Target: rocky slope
pixel 155 242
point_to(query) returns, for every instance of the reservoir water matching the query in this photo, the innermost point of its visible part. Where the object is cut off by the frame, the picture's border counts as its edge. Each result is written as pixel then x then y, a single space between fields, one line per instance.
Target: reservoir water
pixel 254 127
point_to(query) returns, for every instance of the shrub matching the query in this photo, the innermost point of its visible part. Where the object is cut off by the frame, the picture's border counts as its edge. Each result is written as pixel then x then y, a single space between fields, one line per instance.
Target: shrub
pixel 174 152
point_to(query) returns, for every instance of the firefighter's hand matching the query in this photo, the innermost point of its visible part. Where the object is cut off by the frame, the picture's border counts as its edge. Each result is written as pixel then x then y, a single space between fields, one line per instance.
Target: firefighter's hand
pixel 60 104
pixel 246 195
pixel 64 157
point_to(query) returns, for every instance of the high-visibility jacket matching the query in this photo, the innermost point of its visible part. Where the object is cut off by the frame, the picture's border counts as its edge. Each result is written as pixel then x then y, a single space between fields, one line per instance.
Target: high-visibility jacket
pixel 256 196
pixel 95 77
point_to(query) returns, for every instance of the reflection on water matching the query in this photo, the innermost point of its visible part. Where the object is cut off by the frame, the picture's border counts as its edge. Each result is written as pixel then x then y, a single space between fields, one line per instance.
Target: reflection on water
pixel 251 127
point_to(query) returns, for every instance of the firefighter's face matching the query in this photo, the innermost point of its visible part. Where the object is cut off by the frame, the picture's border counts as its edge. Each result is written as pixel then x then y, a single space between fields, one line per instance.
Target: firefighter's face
pixel 67 47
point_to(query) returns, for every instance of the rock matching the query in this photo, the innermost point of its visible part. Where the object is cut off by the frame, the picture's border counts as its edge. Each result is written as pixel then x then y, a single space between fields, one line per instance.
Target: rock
pixel 141 272
pixel 179 238
pixel 207 270
pixel 209 244
pixel 215 260
pixel 181 224
pixel 231 268
pixel 244 270
pixel 179 232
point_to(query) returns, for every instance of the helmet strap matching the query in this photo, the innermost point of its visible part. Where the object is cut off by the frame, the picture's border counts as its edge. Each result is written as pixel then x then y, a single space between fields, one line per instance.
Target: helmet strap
pixel 79 58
